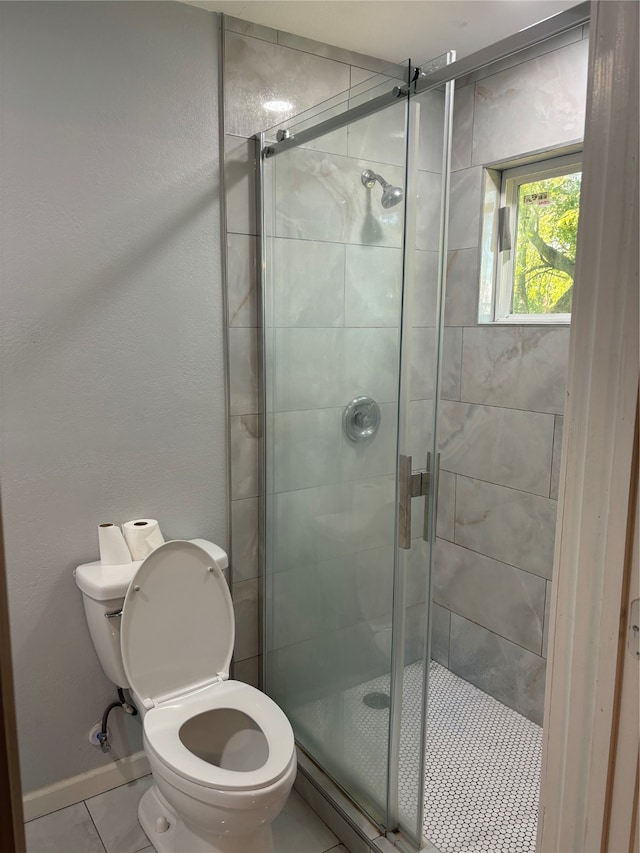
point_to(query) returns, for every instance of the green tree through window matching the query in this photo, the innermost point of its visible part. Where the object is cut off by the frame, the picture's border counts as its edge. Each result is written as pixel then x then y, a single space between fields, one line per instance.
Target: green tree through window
pixel 545 245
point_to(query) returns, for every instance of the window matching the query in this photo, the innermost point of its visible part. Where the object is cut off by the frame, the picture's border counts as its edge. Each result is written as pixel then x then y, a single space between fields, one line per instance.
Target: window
pixel 529 242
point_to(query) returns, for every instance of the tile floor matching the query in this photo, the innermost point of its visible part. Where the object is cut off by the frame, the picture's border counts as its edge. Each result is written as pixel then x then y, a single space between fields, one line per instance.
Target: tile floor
pixel 108 823
pixel 482 762
pixel 481 787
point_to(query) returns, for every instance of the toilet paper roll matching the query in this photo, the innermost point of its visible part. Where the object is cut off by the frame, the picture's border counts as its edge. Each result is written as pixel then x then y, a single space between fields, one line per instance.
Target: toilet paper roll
pixel 114 551
pixel 142 536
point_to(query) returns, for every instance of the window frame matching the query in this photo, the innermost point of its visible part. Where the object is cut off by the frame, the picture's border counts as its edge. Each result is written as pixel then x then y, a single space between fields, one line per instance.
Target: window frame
pixel 500 222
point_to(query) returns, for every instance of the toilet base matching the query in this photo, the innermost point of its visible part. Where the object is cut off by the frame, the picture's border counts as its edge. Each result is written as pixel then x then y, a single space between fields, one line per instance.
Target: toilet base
pixel 178 838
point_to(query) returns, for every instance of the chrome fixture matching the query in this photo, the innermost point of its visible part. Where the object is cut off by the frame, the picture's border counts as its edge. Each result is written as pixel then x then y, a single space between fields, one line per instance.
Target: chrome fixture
pixel 414 486
pixel 390 195
pixel 361 419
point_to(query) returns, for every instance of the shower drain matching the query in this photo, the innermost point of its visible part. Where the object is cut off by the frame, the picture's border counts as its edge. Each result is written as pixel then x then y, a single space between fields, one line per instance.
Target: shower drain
pixel 377 700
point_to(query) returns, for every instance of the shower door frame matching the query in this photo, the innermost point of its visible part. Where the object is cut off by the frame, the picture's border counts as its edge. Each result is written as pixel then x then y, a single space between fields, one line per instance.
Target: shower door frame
pixel 530 37
pixel 399 94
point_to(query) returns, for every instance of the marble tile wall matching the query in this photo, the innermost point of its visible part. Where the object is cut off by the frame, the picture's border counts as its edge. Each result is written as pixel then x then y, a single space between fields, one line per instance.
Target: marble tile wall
pixel 325 317
pixel 503 388
pixel 501 433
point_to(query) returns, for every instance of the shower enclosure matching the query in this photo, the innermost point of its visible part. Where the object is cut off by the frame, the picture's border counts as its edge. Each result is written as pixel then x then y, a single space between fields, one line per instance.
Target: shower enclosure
pixel 356 362
pixel 353 244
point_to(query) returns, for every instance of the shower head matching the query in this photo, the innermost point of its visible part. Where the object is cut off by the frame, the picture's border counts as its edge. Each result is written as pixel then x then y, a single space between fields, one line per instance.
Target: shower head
pixel 390 195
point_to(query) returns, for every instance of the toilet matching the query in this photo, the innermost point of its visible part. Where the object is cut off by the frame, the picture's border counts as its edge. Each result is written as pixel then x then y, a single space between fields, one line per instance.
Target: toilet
pixel 221 752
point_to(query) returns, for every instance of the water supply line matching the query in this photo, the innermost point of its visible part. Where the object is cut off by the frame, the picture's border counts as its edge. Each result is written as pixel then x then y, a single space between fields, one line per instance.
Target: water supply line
pixel 127 707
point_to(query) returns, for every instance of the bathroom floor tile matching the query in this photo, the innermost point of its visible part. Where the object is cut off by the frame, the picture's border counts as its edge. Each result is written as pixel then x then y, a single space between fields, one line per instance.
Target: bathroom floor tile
pixel 115 814
pixel 482 762
pixel 298 829
pixel 69 830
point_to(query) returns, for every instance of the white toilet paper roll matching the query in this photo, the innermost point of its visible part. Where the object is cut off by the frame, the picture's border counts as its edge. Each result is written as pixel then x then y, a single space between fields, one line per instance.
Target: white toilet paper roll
pixel 143 536
pixel 114 551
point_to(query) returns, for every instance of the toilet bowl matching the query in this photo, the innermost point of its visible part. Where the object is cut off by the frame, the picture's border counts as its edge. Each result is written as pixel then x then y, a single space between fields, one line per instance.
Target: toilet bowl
pixel 222 753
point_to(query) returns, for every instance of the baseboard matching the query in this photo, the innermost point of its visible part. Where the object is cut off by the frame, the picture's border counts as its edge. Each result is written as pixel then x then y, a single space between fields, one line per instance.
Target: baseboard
pixel 77 788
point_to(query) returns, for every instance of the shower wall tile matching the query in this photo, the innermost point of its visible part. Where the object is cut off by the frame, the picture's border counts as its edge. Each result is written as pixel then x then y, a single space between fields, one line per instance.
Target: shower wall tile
pixel 306 448
pixel 246 609
pixel 423 363
pixel 508 447
pixel 334 142
pixel 423 289
pixel 243 371
pixel 446 505
pixel 524 56
pixel 306 363
pixel 520 367
pixel 249 671
pixel 428 199
pixel 323 368
pixel 310 291
pixel 242 281
pixel 293 620
pixel 240 185
pixel 247 28
pixel 258 71
pixel 464 213
pixel 440 629
pixel 372 591
pixel 245 539
pixel 373 284
pixel 419 431
pixel 331 521
pixel 431 137
pixel 523 109
pixel 557 455
pixel 502 669
pixel 415 629
pixel 508 525
pixel 380 137
pixel 309 601
pixel 369 64
pixel 547 617
pixel 245 443
pixel 499 597
pixel 462 137
pixel 451 363
pixel 321 197
pixel 461 301
pixel 416 562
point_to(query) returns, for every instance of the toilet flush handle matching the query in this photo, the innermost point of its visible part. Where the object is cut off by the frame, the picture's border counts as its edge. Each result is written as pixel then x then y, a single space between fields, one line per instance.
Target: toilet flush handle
pixel 113 613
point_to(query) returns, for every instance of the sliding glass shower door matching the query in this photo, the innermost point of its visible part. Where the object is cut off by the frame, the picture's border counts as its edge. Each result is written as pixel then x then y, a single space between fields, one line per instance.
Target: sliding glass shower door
pixel 351 234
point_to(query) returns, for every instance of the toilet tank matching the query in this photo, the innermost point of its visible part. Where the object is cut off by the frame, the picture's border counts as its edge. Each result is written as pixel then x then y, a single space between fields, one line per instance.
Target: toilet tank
pixel 103 590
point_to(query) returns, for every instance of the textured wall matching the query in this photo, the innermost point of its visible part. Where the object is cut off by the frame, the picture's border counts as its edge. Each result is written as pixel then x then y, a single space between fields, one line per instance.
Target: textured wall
pixel 501 421
pixel 112 360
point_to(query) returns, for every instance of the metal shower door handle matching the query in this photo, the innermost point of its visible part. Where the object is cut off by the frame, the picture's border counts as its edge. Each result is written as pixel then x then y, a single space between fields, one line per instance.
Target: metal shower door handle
pixel 414 486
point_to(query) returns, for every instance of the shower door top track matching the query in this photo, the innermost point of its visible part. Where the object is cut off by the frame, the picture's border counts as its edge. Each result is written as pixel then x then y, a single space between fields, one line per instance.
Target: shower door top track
pixel 535 34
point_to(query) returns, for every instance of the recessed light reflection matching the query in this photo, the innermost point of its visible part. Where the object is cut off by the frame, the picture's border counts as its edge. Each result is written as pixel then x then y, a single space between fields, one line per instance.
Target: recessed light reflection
pixel 278 106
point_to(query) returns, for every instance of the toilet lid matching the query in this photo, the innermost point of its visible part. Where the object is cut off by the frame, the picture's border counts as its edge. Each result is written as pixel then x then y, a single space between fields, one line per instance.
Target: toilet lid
pixel 177 628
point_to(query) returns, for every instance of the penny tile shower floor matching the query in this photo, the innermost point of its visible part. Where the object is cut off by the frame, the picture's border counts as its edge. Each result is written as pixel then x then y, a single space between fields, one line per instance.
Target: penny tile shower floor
pixel 482 767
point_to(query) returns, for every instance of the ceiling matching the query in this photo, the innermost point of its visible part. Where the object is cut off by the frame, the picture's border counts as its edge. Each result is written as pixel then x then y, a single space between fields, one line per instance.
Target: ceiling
pixel 395 30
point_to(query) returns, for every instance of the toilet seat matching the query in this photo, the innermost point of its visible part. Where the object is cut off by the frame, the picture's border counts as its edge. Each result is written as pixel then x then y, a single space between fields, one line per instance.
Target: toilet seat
pixel 162 726
pixel 178 630
pixel 177 638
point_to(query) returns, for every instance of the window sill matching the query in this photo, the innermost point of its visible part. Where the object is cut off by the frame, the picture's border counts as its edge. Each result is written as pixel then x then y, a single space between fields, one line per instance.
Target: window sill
pixel 534 320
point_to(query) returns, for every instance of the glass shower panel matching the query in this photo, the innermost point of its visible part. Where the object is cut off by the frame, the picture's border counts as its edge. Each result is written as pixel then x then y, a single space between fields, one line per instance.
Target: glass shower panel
pixel 421 383
pixel 333 255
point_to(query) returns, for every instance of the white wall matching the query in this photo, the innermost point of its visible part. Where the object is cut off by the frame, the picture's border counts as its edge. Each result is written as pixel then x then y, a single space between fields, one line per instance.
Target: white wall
pixel 112 360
